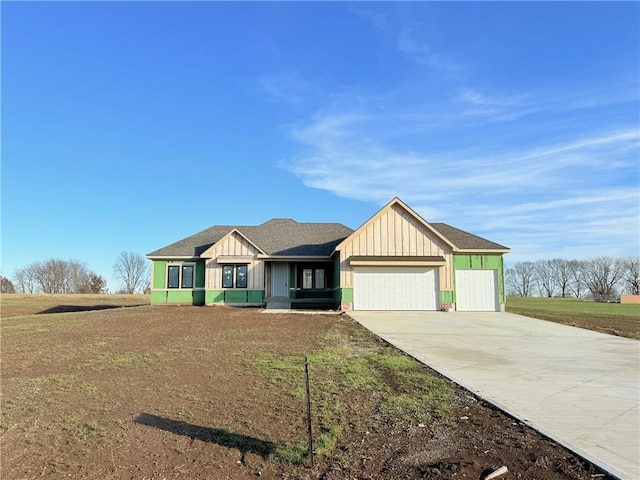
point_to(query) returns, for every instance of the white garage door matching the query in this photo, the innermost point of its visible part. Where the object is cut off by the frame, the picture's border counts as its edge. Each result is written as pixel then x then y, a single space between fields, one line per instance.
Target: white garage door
pixel 477 290
pixel 395 288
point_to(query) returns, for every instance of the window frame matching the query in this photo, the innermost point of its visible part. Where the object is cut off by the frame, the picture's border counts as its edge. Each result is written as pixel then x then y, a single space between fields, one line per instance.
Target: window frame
pixel 311 282
pixel 180 266
pixel 305 285
pixel 235 276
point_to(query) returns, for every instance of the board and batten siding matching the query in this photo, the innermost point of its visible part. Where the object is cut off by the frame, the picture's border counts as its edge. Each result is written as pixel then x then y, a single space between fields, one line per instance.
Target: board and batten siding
pixel 395 232
pixel 231 246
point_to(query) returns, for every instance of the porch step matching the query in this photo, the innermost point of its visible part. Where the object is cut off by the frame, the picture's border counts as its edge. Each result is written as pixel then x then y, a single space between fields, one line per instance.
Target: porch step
pixel 279 305
pixel 278 302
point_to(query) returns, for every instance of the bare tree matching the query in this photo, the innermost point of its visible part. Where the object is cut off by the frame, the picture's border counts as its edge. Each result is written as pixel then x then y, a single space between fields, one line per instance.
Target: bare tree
pixel 53 276
pixel 632 275
pixel 577 284
pixel 562 273
pixel 545 276
pixel 24 280
pixel 602 274
pixel 6 286
pixel 93 283
pixel 132 270
pixel 520 279
pixel 60 276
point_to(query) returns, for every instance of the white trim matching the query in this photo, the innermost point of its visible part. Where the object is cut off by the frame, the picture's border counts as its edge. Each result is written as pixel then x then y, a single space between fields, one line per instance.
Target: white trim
pixel 173 257
pixel 197 289
pixel 483 252
pixel 294 258
pixel 410 263
pixel 235 259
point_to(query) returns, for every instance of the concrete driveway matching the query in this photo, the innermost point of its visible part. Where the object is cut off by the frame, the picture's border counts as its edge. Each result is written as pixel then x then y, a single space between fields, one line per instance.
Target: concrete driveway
pixel 579 387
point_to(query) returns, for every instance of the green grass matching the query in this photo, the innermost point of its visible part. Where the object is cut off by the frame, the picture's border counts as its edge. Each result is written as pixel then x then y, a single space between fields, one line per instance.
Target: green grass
pixel 347 363
pixel 573 306
pixel 612 318
pixel 79 427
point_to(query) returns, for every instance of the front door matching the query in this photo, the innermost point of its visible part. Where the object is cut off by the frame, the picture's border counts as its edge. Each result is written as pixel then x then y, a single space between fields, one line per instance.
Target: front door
pixel 280 280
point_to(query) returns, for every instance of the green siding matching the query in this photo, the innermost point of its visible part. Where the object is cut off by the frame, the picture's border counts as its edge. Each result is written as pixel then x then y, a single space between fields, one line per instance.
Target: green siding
pixel 446 296
pixel 160 293
pixel 477 261
pixel 482 262
pixel 159 272
pixel 200 268
pixel 255 296
pixel 214 296
pixel 234 296
pixel 347 294
pixel 239 296
pixel 182 297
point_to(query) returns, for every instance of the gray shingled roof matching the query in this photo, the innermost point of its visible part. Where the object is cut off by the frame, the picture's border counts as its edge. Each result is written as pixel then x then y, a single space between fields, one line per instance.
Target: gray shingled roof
pixel 279 236
pixel 465 240
pixel 286 237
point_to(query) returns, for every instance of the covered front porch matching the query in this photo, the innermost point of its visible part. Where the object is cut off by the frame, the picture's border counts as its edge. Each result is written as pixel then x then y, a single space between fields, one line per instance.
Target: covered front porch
pixel 301 283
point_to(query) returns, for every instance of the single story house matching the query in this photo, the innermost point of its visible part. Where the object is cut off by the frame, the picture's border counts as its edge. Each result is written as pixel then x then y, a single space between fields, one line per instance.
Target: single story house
pixel 395 261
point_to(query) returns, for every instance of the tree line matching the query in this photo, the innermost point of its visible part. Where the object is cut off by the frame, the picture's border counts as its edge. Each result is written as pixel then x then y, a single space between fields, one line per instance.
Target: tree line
pixel 603 278
pixel 72 276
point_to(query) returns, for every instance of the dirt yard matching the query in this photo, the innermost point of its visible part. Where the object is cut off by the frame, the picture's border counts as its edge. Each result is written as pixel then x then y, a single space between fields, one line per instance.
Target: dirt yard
pixel 218 393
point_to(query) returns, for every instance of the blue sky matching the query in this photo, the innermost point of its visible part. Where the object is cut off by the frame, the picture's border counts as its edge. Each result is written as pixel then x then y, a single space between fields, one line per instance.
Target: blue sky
pixel 127 126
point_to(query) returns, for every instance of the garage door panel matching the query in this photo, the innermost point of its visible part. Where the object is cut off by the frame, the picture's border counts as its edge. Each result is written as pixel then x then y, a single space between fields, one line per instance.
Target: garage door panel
pixel 395 288
pixel 477 290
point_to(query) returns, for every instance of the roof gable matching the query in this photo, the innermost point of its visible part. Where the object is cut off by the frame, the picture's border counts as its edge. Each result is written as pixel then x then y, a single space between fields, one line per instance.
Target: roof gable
pixel 276 237
pixel 234 240
pixel 398 206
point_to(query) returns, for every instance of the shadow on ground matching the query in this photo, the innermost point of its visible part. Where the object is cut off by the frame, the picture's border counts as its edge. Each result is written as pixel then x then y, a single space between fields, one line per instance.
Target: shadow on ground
pixel 83 308
pixel 219 436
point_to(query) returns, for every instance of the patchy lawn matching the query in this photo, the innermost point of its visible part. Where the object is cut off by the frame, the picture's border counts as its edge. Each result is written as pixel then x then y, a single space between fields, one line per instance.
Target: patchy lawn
pixel 612 318
pixel 18 304
pixel 216 392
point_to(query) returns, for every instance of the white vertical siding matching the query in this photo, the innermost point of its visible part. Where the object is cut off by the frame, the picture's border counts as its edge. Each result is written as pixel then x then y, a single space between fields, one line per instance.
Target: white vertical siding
pixel 396 232
pixel 234 245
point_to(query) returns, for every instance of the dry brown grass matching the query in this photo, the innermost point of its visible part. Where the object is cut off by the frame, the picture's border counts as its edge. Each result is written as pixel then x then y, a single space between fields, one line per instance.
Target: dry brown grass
pixel 19 304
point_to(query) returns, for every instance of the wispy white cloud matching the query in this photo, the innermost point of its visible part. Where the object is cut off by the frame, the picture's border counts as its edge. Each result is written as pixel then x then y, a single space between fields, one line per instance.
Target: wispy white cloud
pixel 288 86
pixel 546 170
pixel 422 53
pixel 574 193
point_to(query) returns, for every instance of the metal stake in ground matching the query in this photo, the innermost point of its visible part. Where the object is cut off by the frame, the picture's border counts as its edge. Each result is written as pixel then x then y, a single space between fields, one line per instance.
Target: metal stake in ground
pixel 306 373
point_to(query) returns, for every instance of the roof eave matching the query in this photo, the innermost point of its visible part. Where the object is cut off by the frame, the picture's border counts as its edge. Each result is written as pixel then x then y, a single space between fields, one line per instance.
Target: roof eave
pixel 291 258
pixel 173 257
pixel 482 250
